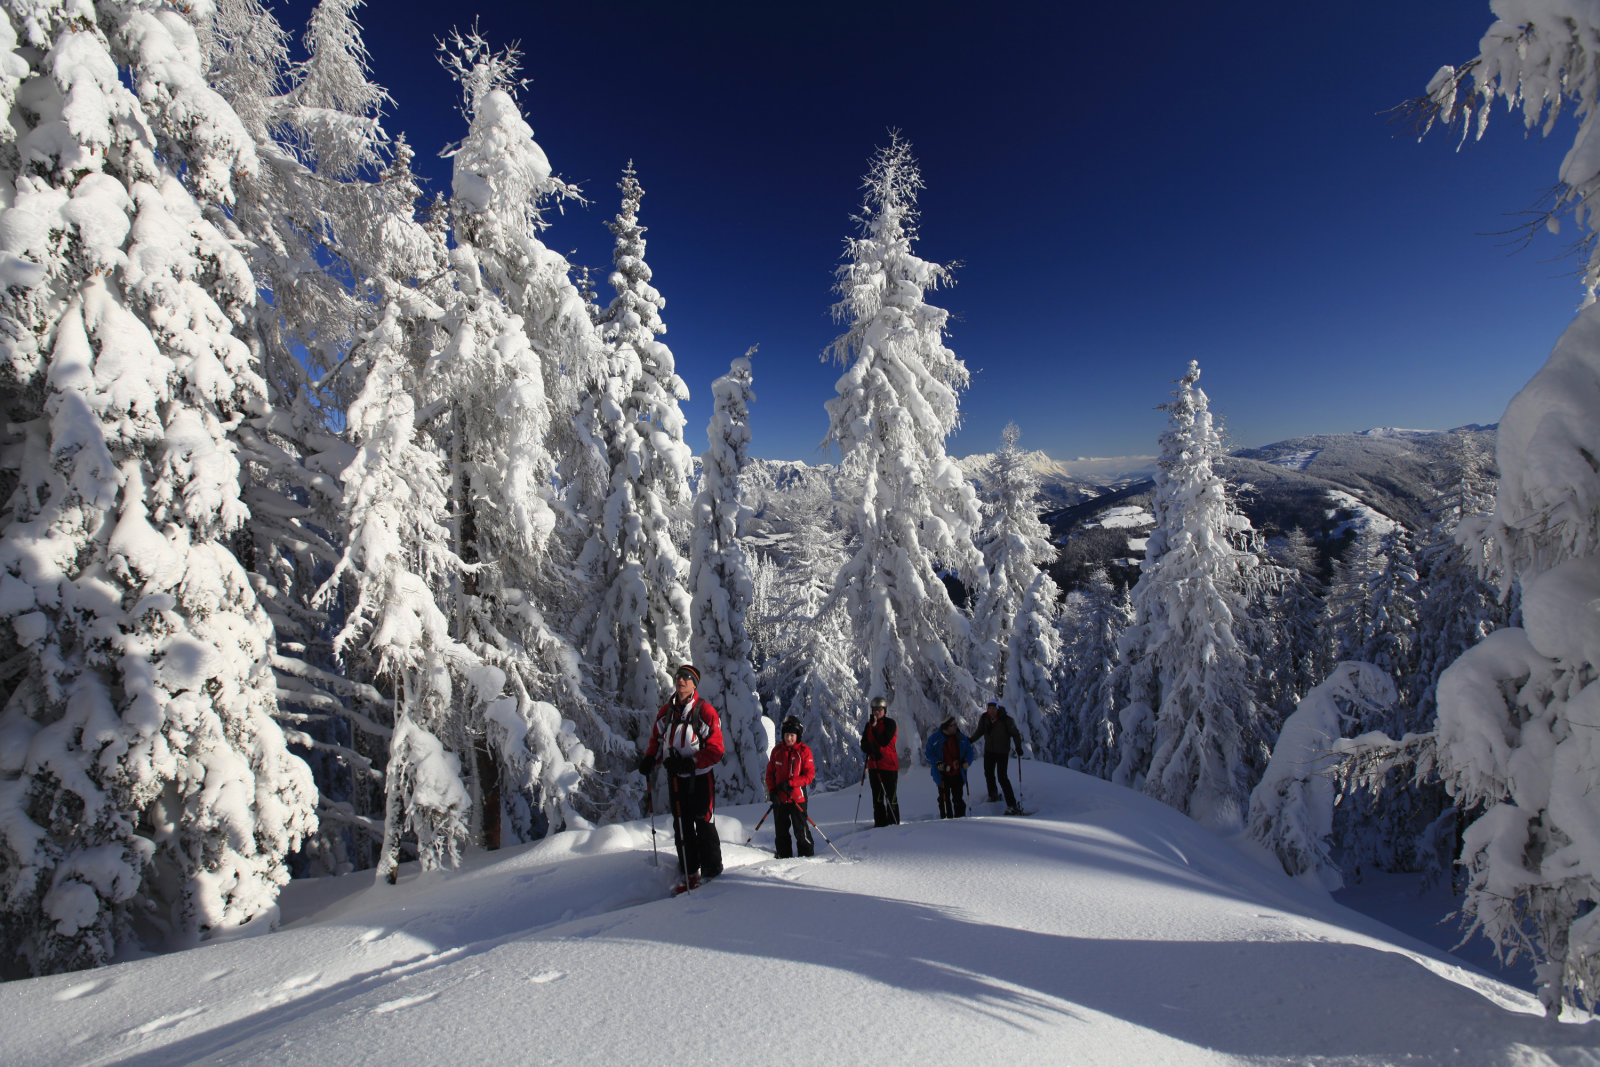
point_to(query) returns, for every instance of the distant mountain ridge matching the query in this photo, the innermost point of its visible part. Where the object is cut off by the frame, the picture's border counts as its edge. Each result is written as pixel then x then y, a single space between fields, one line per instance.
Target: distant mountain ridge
pixel 1330 485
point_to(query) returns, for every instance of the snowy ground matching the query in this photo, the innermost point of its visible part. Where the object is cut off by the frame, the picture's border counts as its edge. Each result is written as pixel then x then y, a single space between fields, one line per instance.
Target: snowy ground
pixel 1104 929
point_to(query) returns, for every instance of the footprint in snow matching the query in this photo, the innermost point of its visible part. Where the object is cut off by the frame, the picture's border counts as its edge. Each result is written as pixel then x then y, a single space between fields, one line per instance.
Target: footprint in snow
pixel 404 1002
pixel 546 976
pixel 82 989
pixel 281 992
pixel 165 1022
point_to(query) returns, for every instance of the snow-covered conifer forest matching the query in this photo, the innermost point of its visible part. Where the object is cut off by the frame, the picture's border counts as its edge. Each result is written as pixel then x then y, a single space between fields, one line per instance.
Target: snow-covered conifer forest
pixel 346 530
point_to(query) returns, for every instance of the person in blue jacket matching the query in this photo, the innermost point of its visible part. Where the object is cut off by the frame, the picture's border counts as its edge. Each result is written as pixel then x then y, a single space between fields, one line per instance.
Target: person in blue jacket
pixel 949 753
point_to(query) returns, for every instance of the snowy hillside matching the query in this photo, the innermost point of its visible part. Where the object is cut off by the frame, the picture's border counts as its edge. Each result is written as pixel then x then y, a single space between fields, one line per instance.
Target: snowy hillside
pixel 1104 929
pixel 1064 482
pixel 1333 486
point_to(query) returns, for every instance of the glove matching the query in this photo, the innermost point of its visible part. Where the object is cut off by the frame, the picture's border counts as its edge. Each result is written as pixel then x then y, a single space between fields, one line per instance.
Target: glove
pixel 871 751
pixel 679 764
pixel 647 763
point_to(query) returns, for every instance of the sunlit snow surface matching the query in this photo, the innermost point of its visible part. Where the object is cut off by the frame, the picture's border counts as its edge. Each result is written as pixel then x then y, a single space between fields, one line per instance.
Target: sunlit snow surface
pixel 1123 517
pixel 1104 929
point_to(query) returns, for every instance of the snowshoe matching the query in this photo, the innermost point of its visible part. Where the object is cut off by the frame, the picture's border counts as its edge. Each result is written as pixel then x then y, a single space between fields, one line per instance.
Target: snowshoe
pixel 1016 809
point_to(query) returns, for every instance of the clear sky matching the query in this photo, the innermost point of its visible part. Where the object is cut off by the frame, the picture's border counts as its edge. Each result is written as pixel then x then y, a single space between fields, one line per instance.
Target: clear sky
pixel 1126 187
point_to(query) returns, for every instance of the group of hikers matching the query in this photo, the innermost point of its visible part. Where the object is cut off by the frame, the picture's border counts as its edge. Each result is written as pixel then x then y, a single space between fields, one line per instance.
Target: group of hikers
pixel 686 740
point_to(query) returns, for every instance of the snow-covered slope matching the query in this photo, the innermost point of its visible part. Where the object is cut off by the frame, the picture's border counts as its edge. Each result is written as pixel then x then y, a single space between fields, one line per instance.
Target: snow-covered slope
pixel 1104 929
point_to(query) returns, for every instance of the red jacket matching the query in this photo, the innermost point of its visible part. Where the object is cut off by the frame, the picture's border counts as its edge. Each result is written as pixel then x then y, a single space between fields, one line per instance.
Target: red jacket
pixel 880 734
pixel 691 730
pixel 789 770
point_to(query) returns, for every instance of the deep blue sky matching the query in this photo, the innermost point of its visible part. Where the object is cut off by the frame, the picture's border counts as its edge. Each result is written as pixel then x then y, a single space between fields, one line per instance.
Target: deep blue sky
pixel 1125 190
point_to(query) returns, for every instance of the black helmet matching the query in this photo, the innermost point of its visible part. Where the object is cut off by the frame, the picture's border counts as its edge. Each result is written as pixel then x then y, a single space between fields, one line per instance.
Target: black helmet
pixel 792 725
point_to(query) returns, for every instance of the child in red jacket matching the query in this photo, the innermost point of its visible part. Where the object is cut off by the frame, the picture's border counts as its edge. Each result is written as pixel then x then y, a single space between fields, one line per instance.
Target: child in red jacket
pixel 789 770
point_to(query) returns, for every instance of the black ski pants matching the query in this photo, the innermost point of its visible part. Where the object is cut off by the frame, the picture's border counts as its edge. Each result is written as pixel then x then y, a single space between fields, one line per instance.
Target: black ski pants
pixel 952 801
pixel 790 819
pixel 885 802
pixel 996 766
pixel 699 847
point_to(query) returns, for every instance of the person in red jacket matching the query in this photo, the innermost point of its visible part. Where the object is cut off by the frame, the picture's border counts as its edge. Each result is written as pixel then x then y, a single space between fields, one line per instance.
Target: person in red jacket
pixel 883 763
pixel 687 737
pixel 789 770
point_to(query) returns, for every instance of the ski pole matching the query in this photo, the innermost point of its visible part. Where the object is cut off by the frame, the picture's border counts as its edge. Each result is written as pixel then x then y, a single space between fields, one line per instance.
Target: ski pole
pixel 763 819
pixel 858 792
pixel 650 809
pixel 818 829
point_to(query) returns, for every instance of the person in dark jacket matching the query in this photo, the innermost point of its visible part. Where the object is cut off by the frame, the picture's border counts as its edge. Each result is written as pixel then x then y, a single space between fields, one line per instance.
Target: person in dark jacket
pixel 949 753
pixel 998 732
pixel 789 770
pixel 883 763
pixel 687 738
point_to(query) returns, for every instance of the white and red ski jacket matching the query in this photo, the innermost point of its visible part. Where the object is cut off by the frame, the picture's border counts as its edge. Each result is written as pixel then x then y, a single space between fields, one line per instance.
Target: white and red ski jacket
pixel 691 729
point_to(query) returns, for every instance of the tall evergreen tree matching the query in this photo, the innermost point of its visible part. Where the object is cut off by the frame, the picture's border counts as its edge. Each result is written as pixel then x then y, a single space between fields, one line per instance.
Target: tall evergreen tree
pixel 1191 732
pixel 1461 608
pixel 143 782
pixel 515 309
pixel 1519 713
pixel 1085 734
pixel 637 626
pixel 1347 611
pixel 1294 611
pixel 812 662
pixel 1016 612
pixel 1389 638
pixel 719 580
pixel 324 219
pixel 897 402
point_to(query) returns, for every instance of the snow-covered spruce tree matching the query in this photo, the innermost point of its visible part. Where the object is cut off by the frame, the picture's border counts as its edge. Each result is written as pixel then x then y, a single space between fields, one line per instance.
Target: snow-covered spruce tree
pixel 1294 610
pixel 398 556
pixel 897 402
pixel 144 786
pixel 1389 639
pixel 719 582
pixel 1347 613
pixel 636 624
pixel 1292 808
pixel 513 295
pixel 1085 731
pixel 812 662
pixel 1460 607
pixel 1519 713
pixel 1191 733
pixel 1016 611
pixel 324 220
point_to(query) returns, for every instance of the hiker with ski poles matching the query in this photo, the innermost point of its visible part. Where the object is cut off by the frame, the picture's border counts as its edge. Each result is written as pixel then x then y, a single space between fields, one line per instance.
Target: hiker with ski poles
pixel 998 731
pixel 883 763
pixel 790 769
pixel 949 753
pixel 687 739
